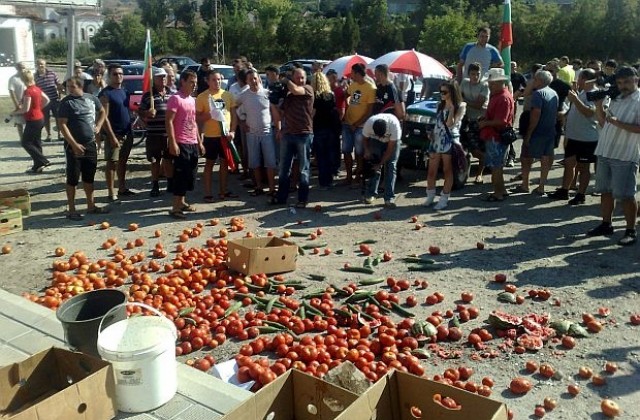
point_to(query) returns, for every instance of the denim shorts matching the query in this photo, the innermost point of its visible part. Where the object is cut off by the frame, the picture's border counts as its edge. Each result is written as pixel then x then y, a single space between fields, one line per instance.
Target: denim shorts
pixel 616 177
pixel 495 155
pixel 352 140
pixel 260 148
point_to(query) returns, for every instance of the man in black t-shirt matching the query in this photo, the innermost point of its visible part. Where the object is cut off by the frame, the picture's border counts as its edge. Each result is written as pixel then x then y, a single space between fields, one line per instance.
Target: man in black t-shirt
pixel 388 99
pixel 80 118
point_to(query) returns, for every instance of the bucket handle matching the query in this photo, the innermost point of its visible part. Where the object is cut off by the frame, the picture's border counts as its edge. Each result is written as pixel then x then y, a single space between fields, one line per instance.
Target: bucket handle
pixel 142 305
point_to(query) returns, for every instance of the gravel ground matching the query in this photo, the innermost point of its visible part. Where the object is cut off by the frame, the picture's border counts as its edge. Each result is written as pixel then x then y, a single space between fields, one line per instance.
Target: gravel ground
pixel 536 242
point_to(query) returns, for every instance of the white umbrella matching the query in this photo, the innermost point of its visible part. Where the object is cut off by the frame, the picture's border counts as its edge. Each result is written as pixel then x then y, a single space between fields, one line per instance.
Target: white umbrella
pixel 412 62
pixel 342 65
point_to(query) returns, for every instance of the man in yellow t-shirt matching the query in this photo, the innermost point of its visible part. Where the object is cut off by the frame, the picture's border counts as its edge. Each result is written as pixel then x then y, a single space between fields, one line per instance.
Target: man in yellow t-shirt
pixel 566 73
pixel 361 97
pixel 216 126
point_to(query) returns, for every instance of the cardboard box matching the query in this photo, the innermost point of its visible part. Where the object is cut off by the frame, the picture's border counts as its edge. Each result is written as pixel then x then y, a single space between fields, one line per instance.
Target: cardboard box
pixel 294 396
pixel 57 384
pixel 10 220
pixel 392 398
pixel 18 199
pixel 261 255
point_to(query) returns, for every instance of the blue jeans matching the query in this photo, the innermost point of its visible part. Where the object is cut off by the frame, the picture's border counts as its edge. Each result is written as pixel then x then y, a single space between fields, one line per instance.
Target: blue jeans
pixel 376 150
pixel 323 147
pixel 298 145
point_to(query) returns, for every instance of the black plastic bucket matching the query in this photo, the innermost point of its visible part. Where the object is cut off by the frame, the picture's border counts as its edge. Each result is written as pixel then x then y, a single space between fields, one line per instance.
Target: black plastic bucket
pixel 81 315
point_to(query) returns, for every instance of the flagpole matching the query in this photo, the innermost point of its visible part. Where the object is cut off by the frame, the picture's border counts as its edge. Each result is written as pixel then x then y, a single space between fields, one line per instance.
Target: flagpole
pixel 506 38
pixel 148 68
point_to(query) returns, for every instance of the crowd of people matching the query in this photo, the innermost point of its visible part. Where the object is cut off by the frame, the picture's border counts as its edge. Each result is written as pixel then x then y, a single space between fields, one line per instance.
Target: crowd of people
pixel 269 132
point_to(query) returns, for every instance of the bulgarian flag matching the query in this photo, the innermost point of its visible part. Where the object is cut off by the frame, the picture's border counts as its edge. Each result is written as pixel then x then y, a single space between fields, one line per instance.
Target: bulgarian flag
pixel 147 80
pixel 506 37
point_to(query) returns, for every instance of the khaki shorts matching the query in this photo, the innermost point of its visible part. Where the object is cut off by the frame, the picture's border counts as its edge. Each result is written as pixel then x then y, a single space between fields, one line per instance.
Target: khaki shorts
pixel 114 154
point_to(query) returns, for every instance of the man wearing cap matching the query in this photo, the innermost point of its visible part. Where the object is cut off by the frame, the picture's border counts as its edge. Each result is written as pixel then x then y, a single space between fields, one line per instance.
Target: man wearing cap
pixel 157 146
pixel 478 52
pixel 539 140
pixel 618 154
pixel 380 137
pixel 16 90
pixel 498 117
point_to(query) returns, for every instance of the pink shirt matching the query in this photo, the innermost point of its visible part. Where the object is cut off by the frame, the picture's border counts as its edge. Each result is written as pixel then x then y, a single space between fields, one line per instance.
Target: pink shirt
pixel 184 123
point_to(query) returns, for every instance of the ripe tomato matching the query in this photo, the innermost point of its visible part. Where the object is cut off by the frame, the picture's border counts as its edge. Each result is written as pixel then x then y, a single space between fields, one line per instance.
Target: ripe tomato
pixel 568 341
pixel 500 278
pixel 550 403
pixel 610 408
pixel 467 297
pixel 520 385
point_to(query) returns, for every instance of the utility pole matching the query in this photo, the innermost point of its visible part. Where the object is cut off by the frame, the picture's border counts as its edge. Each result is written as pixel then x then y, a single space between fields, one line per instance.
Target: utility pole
pixel 219 34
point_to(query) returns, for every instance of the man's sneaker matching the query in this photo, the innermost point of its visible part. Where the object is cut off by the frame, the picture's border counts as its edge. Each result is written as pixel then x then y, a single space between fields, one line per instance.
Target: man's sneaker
pixel 602 229
pixel 155 192
pixel 510 163
pixel 629 238
pixel 559 194
pixel 114 200
pixel 390 205
pixel 368 200
pixel 441 204
pixel 578 199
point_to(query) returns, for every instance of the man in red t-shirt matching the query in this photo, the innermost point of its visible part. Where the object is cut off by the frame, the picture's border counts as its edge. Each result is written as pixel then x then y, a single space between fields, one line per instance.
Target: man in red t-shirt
pixel 341 105
pixel 498 116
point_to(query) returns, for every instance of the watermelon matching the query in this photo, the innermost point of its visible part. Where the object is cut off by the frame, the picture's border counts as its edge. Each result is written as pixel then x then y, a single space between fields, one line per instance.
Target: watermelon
pixel 503 320
pixel 530 342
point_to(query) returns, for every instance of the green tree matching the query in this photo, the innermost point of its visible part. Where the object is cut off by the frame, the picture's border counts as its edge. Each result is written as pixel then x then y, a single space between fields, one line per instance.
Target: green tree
pixel 183 12
pixel 154 13
pixel 350 35
pixel 442 37
pixel 121 39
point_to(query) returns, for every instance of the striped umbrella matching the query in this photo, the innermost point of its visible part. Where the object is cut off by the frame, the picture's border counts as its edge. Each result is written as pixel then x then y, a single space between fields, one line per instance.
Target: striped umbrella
pixel 414 63
pixel 342 65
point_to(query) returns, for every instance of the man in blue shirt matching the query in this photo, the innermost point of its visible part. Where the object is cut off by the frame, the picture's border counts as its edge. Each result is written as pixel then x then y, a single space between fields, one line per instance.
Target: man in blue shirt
pixel 479 52
pixel 117 134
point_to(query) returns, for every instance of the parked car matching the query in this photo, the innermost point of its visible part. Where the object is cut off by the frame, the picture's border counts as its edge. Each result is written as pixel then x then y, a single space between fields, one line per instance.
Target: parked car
pixel 180 61
pixel 225 71
pixel 307 63
pixel 133 85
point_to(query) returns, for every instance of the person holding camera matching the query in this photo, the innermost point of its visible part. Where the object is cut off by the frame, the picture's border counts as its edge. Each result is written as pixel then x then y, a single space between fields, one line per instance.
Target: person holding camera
pixel 381 134
pixel 618 153
pixel 582 137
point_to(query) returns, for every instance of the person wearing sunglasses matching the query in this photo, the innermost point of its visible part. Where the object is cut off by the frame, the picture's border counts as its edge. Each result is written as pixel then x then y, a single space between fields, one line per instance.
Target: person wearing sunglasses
pixel 446 131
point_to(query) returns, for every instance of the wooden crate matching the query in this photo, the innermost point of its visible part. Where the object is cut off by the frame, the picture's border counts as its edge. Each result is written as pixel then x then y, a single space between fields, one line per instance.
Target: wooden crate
pixel 10 220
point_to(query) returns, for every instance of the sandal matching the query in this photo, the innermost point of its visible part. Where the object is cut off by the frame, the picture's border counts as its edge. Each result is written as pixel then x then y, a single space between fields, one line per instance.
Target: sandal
pixel 520 190
pixel 538 191
pixel 188 208
pixel 272 193
pixel 126 193
pixel 228 194
pixel 256 192
pixel 301 204
pixel 97 210
pixel 177 214
pixel 75 216
pixel 492 198
pixel 274 201
pixel 208 199
pixel 478 180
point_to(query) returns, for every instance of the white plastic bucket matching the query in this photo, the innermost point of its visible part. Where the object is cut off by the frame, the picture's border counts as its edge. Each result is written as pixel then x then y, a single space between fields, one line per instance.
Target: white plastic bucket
pixel 142 352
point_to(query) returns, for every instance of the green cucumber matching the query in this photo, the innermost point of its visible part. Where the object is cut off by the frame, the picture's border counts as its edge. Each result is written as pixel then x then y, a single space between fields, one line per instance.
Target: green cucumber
pixel 401 311
pixel 352 269
pixel 366 241
pixel 370 282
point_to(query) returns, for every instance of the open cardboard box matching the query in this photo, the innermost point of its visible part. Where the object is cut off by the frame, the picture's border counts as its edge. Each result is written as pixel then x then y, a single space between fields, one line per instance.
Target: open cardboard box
pixel 393 396
pixel 294 396
pixel 57 384
pixel 18 199
pixel 267 255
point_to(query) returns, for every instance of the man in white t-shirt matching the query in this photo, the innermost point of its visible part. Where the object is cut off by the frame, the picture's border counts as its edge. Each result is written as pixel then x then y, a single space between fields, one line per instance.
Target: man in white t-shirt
pixel 475 92
pixel 16 90
pixel 618 153
pixel 381 140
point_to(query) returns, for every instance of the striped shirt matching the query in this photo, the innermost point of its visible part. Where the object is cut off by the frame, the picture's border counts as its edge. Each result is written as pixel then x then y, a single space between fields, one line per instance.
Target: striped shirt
pixel 48 83
pixel 156 126
pixel 298 112
pixel 616 143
